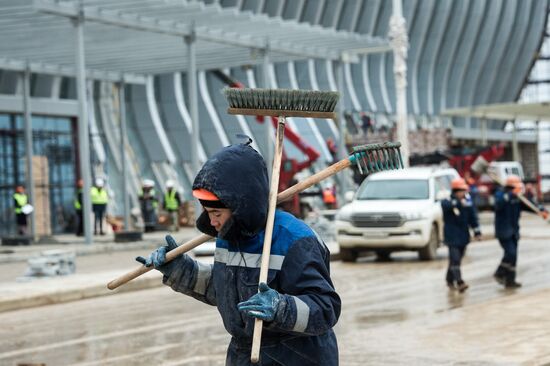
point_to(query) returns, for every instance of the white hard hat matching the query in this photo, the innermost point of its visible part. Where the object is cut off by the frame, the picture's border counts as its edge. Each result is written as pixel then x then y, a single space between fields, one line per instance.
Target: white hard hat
pixel 170 183
pixel 99 182
pixel 148 183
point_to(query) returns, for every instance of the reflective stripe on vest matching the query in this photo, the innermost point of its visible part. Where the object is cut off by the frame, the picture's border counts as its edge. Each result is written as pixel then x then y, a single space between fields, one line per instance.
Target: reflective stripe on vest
pixel 21 200
pixel 77 203
pixel 99 197
pixel 170 201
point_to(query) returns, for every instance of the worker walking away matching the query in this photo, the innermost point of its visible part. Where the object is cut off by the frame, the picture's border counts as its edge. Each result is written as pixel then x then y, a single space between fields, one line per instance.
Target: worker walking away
pixel 329 197
pixel 459 215
pixel 171 204
pixel 507 213
pixel 79 218
pixel 148 203
pixel 20 200
pixel 298 304
pixel 99 198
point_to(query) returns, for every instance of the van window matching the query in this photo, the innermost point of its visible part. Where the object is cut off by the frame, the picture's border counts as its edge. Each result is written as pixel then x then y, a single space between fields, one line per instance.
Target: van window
pixel 441 184
pixel 394 189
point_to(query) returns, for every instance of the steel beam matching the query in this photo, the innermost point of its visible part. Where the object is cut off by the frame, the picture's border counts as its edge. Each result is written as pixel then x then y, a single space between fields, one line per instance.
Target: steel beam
pixel 193 107
pixel 342 129
pixel 28 146
pixel 59 70
pixel 124 163
pixel 83 131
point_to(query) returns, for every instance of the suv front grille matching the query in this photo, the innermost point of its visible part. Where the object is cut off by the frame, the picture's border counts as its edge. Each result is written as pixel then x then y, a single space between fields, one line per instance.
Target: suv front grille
pixel 382 219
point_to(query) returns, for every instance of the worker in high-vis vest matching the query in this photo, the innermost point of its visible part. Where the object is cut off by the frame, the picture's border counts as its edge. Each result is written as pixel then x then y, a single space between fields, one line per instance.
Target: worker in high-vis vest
pixel 20 199
pixel 171 204
pixel 99 199
pixel 79 219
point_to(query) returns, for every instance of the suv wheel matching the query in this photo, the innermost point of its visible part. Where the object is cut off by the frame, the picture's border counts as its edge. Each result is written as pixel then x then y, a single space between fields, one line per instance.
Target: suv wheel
pixel 348 255
pixel 429 252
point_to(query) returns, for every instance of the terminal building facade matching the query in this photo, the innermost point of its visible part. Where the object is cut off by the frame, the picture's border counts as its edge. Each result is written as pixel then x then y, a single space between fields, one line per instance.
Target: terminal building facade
pixel 462 53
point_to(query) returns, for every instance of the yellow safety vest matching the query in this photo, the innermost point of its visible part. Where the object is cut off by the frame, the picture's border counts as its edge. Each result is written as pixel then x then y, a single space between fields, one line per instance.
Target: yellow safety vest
pixel 99 197
pixel 170 201
pixel 77 203
pixel 21 199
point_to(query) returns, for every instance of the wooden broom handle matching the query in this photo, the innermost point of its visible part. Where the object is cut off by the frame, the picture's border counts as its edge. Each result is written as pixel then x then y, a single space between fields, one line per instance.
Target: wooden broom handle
pixel 185 247
pixel 203 238
pixel 266 251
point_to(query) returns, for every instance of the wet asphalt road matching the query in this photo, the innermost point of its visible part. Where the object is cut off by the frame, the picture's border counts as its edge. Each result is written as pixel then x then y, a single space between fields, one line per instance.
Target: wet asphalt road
pixel 399 312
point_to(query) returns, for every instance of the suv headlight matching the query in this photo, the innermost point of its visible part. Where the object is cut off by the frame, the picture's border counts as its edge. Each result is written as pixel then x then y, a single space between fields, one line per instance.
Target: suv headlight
pixel 413 216
pixel 343 215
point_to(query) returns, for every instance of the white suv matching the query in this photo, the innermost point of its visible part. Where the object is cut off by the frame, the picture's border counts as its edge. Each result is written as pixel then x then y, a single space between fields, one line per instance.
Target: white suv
pixel 395 210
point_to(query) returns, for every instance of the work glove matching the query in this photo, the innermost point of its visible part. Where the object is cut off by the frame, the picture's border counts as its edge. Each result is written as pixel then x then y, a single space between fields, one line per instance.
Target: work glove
pixel 263 305
pixel 157 258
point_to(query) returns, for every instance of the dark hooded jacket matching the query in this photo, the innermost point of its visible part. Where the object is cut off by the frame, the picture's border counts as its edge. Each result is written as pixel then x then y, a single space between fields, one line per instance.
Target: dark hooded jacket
pixel 301 333
pixel 458 217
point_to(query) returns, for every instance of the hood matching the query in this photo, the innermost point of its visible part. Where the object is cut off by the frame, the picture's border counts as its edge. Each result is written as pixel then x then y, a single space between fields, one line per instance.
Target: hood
pixel 237 174
pixel 403 206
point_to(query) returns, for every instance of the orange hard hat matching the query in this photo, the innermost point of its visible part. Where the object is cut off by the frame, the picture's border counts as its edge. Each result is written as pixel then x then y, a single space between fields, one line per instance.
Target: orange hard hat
pixel 459 184
pixel 203 194
pixel 20 189
pixel 513 181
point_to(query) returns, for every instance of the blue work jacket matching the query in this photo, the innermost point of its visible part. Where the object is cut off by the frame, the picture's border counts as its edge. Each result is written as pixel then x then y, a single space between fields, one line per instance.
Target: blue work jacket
pixel 299 270
pixel 507 213
pixel 458 217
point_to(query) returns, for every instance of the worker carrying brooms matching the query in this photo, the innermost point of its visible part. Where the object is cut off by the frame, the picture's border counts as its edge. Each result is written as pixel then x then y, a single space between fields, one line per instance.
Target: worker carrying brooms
pixel 459 215
pixel 298 304
pixel 507 213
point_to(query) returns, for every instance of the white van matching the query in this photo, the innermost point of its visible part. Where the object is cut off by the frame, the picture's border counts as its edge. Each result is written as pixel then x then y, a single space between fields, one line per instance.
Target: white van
pixel 395 210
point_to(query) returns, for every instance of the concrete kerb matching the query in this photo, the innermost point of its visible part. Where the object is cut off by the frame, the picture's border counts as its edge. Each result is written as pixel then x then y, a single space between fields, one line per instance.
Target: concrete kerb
pixel 10 254
pixel 50 291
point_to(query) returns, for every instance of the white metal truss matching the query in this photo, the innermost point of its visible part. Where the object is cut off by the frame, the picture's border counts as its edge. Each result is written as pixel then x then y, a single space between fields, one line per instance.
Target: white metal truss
pixel 142 37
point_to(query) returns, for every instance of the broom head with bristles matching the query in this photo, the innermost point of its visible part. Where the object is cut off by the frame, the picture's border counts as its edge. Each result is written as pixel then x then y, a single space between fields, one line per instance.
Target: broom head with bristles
pixel 377 157
pixel 282 102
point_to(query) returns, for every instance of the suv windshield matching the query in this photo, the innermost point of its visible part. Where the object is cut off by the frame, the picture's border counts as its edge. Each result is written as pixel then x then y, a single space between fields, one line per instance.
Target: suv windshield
pixel 402 189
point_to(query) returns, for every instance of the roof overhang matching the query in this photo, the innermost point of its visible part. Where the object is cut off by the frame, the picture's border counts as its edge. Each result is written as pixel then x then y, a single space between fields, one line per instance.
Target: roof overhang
pixel 131 39
pixel 504 111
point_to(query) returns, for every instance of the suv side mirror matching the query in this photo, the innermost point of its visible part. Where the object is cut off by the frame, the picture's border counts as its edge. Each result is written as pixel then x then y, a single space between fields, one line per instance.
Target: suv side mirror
pixel 348 196
pixel 442 194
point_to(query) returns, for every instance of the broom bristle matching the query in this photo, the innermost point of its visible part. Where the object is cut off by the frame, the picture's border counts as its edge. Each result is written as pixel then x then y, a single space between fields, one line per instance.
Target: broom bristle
pixel 377 157
pixel 282 99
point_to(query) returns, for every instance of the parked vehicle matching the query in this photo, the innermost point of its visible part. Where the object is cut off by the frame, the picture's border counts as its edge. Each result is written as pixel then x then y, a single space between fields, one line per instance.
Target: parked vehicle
pixel 395 210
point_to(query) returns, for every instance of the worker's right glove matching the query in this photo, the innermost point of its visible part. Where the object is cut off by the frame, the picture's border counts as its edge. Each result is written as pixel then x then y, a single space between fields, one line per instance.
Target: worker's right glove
pixel 264 305
pixel 157 258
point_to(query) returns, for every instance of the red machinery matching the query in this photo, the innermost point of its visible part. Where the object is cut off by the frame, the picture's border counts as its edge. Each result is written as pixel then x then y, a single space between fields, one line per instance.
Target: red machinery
pixel 289 167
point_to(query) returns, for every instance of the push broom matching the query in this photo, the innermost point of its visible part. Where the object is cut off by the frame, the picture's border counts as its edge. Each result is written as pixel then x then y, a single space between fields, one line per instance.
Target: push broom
pixel 368 158
pixel 481 165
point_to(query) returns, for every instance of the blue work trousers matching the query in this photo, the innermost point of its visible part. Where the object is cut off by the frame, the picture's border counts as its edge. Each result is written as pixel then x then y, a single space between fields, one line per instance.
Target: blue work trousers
pixel 455 258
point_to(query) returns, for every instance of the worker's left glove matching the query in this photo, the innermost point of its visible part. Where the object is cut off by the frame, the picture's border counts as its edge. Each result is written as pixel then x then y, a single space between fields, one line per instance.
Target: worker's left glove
pixel 157 258
pixel 264 305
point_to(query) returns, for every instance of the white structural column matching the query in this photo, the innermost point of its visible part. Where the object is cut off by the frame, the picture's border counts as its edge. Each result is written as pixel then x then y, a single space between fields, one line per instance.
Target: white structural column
pixel 83 133
pixel 193 108
pixel 124 163
pixel 28 144
pixel 515 145
pixel 400 43
pixel 342 128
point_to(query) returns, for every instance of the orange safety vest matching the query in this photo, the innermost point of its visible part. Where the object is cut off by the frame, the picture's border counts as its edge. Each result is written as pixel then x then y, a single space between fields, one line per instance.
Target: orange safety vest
pixel 328 196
